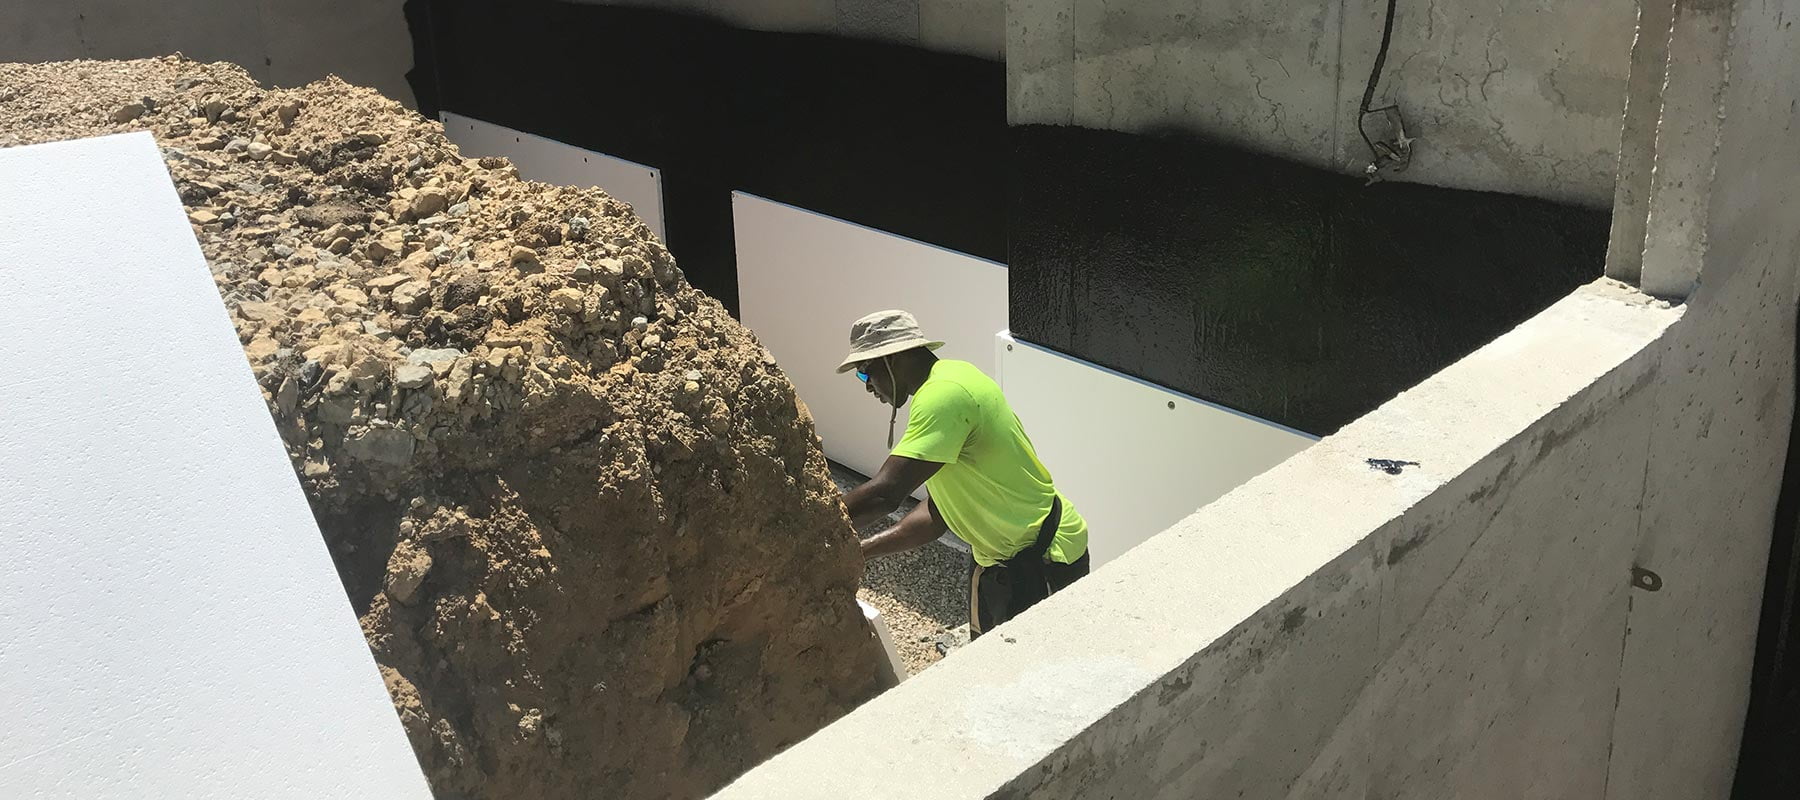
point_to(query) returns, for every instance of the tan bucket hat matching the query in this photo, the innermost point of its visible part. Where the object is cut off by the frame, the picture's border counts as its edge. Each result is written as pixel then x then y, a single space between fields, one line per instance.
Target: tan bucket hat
pixel 884 333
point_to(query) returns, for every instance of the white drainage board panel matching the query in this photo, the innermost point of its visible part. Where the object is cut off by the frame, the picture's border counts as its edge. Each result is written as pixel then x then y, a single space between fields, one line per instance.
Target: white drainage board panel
pixel 551 161
pixel 1133 457
pixel 174 625
pixel 896 668
pixel 803 277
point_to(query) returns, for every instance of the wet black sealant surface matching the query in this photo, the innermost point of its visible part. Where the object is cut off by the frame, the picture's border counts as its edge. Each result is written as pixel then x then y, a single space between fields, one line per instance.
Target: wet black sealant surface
pixel 893 137
pixel 1292 293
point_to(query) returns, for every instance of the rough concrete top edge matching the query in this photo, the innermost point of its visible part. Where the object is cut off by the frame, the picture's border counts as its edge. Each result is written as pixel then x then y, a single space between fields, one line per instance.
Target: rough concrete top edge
pixel 1008 701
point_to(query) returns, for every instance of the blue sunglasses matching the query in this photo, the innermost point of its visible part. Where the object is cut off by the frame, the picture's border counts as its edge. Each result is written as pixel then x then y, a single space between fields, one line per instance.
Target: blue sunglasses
pixel 862 376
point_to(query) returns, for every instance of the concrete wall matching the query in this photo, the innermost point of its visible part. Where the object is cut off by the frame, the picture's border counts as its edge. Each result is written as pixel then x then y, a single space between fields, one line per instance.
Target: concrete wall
pixel 281 42
pixel 1519 97
pixel 1717 440
pixel 968 27
pixel 1476 626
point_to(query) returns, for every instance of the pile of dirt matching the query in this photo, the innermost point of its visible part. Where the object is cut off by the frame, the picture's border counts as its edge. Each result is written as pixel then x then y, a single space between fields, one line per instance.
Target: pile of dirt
pixel 583 516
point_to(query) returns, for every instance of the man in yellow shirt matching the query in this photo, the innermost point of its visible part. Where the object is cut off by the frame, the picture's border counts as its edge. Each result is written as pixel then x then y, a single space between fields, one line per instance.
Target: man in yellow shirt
pixel 966 446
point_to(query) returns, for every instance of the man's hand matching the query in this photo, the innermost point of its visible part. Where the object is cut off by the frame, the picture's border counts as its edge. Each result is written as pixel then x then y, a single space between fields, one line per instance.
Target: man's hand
pixel 917 528
pixel 898 477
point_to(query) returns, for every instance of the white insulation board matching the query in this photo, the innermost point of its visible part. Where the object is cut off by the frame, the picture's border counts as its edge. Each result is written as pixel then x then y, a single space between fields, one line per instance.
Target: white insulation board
pixel 896 666
pixel 174 625
pixel 551 161
pixel 1132 456
pixel 803 277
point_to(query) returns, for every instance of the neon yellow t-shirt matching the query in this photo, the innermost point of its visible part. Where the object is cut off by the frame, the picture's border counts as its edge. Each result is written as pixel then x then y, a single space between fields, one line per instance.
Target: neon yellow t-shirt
pixel 992 490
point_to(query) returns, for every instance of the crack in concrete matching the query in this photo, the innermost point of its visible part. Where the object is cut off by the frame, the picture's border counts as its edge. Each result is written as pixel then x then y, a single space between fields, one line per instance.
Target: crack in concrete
pixel 1511 145
pixel 1156 66
pixel 1488 57
pixel 1112 105
pixel 1277 115
pixel 1407 62
pixel 1213 68
pixel 1562 98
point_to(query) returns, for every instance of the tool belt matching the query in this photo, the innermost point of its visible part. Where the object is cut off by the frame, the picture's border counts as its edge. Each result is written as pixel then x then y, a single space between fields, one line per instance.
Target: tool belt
pixel 1025 570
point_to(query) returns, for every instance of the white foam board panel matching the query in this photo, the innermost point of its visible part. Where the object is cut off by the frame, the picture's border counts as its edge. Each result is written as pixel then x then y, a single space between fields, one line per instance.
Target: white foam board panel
pixel 551 161
pixel 896 666
pixel 803 277
pixel 1132 456
pixel 174 625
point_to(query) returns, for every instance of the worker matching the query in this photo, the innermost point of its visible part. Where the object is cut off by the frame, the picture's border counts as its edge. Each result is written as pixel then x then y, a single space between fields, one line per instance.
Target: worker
pixel 985 482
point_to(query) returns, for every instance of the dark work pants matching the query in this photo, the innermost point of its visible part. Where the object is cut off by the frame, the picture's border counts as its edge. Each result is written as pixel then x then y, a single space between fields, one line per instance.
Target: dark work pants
pixel 997 593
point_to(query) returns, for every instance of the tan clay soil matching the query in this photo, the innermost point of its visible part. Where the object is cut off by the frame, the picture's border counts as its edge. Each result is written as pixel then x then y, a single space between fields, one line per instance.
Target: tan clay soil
pixel 585 521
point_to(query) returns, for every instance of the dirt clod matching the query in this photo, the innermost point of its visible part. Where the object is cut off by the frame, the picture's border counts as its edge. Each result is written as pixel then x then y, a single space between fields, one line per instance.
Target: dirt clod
pixel 580 576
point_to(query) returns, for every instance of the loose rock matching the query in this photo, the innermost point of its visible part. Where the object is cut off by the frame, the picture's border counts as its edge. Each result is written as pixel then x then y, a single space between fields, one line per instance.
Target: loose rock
pixel 568 300
pixel 428 202
pixel 411 296
pixel 379 446
pixel 406 571
pixel 387 282
pixel 413 376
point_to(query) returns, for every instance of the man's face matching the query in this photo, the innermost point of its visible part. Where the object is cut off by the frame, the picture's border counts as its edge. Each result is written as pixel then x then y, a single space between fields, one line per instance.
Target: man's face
pixel 878 380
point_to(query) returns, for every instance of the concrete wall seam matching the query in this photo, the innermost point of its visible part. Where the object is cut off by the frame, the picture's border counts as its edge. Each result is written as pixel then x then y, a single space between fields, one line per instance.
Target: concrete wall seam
pixel 1637 140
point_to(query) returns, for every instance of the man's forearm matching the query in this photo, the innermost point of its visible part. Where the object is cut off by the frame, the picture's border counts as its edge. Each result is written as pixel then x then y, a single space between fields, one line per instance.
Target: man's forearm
pixel 915 530
pixel 867 503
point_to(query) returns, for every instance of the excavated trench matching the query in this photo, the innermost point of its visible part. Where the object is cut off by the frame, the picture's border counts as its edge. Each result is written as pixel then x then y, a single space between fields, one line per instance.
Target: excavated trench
pixel 592 541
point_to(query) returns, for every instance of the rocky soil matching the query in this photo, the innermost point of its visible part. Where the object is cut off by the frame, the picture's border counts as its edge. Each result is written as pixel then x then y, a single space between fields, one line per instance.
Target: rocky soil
pixel 584 519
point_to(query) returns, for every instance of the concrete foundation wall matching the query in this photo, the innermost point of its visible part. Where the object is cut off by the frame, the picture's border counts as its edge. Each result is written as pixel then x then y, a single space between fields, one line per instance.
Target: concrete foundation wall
pixel 1522 98
pixel 1722 414
pixel 968 27
pixel 1559 600
pixel 281 42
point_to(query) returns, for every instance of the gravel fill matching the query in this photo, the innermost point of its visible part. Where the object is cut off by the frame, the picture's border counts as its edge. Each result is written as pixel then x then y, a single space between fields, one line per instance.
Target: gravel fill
pixel 923 593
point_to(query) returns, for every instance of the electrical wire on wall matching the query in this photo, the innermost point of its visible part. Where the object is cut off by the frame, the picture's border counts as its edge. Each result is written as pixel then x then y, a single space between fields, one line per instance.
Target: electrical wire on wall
pixel 1397 151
